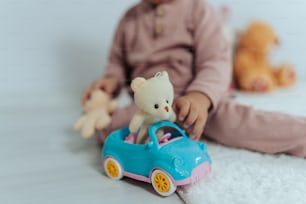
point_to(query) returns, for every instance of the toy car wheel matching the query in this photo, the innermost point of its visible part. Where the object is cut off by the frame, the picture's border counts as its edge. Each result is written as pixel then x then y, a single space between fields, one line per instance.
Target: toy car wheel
pixel 113 168
pixel 162 183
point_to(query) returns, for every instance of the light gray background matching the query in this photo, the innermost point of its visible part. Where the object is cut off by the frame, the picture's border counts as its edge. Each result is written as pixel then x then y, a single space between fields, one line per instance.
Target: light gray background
pixel 60 46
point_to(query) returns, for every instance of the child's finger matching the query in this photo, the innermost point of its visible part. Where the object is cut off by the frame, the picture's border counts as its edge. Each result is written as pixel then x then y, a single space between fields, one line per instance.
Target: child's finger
pixel 182 108
pixel 175 108
pixel 85 96
pixel 198 127
pixel 109 89
pixel 191 118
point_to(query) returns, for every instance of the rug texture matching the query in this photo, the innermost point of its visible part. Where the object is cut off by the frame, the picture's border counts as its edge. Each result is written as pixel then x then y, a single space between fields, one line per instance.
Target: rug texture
pixel 244 177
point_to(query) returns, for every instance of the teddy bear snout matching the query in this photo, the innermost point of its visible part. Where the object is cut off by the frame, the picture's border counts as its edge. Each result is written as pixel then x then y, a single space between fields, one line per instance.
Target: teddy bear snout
pixel 167 109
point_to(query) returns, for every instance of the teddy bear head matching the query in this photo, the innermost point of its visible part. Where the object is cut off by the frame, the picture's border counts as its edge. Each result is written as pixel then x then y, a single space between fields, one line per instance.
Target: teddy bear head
pixel 154 95
pixel 258 37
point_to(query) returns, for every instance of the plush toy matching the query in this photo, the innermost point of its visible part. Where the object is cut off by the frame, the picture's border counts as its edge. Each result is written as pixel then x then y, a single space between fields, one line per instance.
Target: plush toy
pixel 154 98
pixel 252 69
pixel 97 113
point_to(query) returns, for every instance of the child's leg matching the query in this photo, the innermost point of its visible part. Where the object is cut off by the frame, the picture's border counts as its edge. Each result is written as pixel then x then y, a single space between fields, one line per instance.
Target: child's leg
pixel 241 126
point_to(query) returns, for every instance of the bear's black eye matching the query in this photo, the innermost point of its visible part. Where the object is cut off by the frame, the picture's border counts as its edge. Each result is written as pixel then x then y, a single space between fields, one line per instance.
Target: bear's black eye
pixel 167 101
pixel 156 106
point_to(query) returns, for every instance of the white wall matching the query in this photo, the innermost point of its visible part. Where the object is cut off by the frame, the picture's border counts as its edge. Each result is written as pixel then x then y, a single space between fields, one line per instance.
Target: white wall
pixel 58 45
pixel 287 17
pixel 61 45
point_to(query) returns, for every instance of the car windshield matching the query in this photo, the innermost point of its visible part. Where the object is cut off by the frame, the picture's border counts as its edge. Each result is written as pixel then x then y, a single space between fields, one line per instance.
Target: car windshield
pixel 165 135
pixel 160 136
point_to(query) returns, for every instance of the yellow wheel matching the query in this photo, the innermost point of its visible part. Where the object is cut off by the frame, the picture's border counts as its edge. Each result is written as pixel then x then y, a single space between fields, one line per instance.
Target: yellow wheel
pixel 112 168
pixel 162 183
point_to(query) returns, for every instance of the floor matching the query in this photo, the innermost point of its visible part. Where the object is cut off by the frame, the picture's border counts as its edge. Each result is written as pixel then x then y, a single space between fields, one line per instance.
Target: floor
pixel 44 161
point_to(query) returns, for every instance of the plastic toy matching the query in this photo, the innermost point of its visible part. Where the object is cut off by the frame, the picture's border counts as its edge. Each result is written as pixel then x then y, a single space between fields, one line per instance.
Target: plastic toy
pixel 252 69
pixel 97 114
pixel 171 161
pixel 154 98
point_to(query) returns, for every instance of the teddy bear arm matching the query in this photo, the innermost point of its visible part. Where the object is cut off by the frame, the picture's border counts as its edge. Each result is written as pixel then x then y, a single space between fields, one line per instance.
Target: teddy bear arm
pixel 142 135
pixel 136 122
pixel 102 121
pixel 112 106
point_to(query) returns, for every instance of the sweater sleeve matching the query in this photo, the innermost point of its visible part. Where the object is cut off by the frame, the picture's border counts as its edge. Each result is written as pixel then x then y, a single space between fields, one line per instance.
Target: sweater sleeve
pixel 213 68
pixel 116 59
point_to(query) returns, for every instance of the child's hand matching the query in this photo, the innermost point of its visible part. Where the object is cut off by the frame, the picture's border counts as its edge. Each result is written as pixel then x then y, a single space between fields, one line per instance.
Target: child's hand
pixel 108 84
pixel 192 112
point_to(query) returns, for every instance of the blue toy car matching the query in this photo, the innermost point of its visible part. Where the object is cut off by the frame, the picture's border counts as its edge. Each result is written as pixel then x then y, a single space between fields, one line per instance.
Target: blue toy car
pixel 171 161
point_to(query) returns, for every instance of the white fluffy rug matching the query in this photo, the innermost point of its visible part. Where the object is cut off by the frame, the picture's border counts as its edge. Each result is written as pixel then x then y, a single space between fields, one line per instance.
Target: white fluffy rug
pixel 244 177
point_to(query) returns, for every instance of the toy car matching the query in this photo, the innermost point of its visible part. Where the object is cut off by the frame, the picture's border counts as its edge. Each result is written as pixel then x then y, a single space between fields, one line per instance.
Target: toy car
pixel 171 161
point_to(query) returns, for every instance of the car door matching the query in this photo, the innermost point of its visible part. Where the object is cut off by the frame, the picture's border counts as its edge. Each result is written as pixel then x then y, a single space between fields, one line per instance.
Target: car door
pixel 138 158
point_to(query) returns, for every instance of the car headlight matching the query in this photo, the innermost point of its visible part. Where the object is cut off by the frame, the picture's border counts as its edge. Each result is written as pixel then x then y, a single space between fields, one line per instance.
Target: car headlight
pixel 179 166
pixel 178 163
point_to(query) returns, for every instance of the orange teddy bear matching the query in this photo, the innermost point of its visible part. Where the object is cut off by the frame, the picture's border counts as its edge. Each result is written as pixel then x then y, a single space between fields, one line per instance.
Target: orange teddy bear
pixel 252 70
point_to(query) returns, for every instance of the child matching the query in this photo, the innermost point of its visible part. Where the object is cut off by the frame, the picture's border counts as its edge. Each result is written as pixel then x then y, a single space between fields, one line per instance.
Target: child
pixel 184 38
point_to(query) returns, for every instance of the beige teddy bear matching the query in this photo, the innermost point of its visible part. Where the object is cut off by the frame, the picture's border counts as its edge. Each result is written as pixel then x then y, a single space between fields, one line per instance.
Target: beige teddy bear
pixel 154 98
pixel 97 114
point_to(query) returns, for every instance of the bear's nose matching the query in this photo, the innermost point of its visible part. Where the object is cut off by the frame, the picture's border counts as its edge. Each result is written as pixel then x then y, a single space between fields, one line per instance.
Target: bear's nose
pixel 167 108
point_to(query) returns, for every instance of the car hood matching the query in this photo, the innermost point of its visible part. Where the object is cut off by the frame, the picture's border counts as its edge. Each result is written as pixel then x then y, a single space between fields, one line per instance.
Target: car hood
pixel 186 151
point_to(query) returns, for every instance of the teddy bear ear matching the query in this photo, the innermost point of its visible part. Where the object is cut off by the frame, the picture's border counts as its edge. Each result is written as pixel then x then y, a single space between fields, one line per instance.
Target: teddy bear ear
pixel 137 83
pixel 165 74
pixel 162 74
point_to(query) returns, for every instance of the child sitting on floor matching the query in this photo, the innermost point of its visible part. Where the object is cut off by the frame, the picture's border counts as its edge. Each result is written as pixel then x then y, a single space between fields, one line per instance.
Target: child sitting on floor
pixel 184 38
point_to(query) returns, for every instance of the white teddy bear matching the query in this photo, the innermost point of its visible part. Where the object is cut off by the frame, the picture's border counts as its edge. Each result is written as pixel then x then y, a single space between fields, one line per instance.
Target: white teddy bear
pixel 154 98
